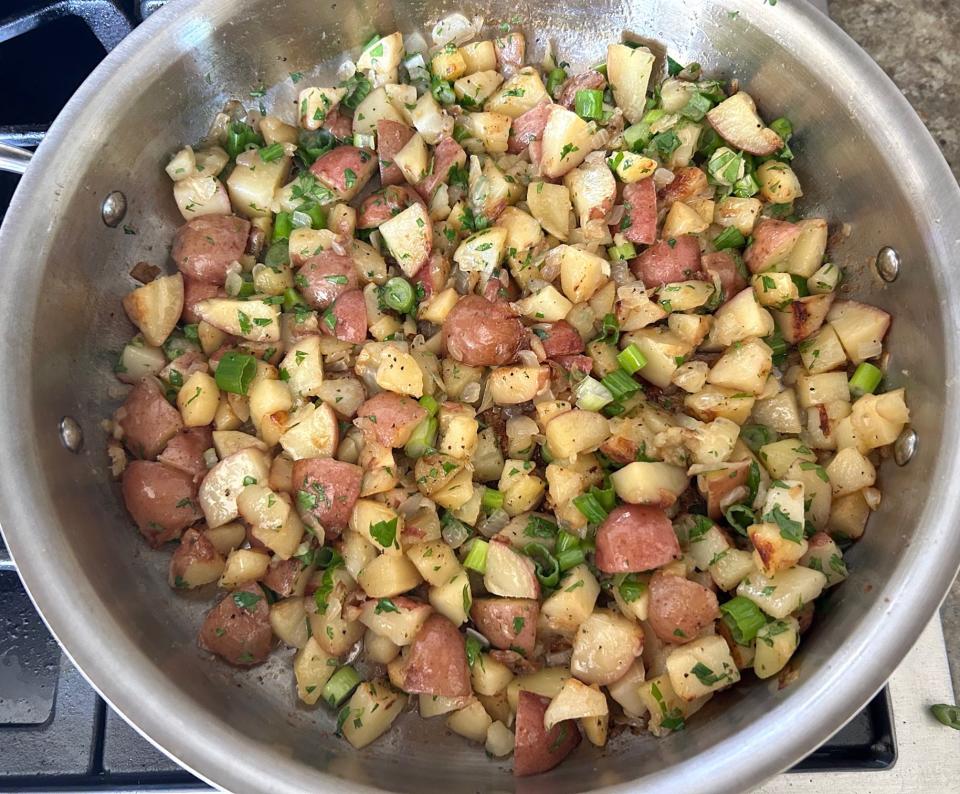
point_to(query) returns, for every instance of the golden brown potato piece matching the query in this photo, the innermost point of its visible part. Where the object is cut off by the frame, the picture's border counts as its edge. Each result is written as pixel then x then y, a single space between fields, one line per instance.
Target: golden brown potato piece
pixel 238 628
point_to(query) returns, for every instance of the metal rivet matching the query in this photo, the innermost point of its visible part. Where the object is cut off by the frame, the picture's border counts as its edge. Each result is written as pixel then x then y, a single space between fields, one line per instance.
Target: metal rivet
pixel 113 209
pixel 905 447
pixel 71 434
pixel 888 264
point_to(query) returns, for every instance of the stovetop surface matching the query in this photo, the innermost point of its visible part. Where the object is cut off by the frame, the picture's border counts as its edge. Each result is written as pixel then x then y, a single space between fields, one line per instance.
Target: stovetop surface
pixel 56 733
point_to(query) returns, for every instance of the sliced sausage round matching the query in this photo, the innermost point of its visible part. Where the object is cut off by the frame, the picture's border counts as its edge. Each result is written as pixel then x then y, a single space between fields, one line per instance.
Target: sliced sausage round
pixel 238 628
pixel 680 609
pixel 479 332
pixel 635 538
pixel 205 247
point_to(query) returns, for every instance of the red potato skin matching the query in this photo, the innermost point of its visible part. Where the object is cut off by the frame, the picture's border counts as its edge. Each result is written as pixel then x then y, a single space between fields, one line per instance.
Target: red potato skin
pixel 663 263
pixel 384 204
pixel 319 278
pixel 433 275
pixel 194 547
pixel 331 170
pixel 680 609
pixel 635 538
pixel 640 207
pixel 340 124
pixel 528 127
pixel 511 51
pixel 580 82
pixel 392 136
pixel 722 265
pixel 147 420
pixel 687 182
pixel 239 635
pixel 479 332
pixel 536 749
pixel 204 247
pixel 561 339
pixel 350 316
pixel 184 452
pixel 577 363
pixel 337 487
pixel 719 485
pixel 448 154
pixel 768 234
pixel 437 661
pixel 282 575
pixel 162 500
pixel 498 618
pixel 195 291
pixel 389 418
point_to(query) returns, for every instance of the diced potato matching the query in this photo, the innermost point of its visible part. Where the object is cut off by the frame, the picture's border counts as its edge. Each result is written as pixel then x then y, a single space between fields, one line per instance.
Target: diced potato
pixel 312 668
pixel 861 328
pixel 254 320
pixel 807 254
pixel 375 106
pixel 251 187
pixel 488 676
pixel 413 159
pixel 388 575
pixel 685 296
pixel 632 167
pixel 824 555
pixel 574 701
pixel 774 289
pixel 628 70
pixel 772 551
pixel 546 682
pixel 572 602
pixel 731 568
pixel 778 182
pixel 740 213
pixel 315 103
pixel 430 120
pixel 482 251
pixel 785 592
pixel 740 318
pixel 878 419
pixel 448 64
pixel 567 140
pixel 626 691
pixel 712 402
pixel 779 456
pixel 243 566
pixel 779 413
pixel 848 516
pixel 436 561
pixel 824 388
pixel 491 130
pixel 523 231
pixel 155 307
pixel 817 490
pixel 198 400
pixel 682 220
pixel 822 352
pixel 381 58
pixel 408 237
pixel 581 273
pixel 547 305
pixel 802 317
pixel 737 121
pixel 201 195
pixel 776 643
pixel 479 56
pixel 701 667
pixel 453 599
pixel 438 705
pixel 550 205
pixel 663 350
pixel 604 648
pixel 744 367
pixel 520 93
pixel 373 708
pixel 667 709
pixel 472 722
pixel 576 431
pixel 824 280
pixel 500 740
pixel 646 483
pixel 288 619
pixel 850 471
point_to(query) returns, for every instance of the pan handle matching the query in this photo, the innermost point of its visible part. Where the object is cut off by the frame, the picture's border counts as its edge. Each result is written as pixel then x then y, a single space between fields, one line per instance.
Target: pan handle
pixel 14 159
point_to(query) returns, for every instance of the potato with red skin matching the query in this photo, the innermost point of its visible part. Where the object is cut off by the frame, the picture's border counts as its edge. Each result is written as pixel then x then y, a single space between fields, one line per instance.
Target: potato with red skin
pixel 509 623
pixel 528 127
pixel 511 52
pixel 345 170
pixel 663 263
pixel 639 224
pixel 282 575
pixel 721 265
pixel 238 628
pixel 479 332
pixel 162 500
pixel 436 663
pixel 384 204
pixel 389 418
pixel 577 363
pixel 433 275
pixel 589 80
pixel 772 242
pixel 717 485
pixel 392 136
pixel 325 277
pixel 349 316
pixel 680 609
pixel 339 124
pixel 205 247
pixel 195 291
pixel 536 749
pixel 446 155
pixel 185 451
pixel 560 339
pixel 195 549
pixel 147 420
pixel 635 538
pixel 687 183
pixel 186 364
pixel 331 488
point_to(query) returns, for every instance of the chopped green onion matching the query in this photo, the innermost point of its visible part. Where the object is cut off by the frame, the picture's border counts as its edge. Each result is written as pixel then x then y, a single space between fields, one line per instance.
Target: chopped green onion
pixel 317 215
pixel 546 454
pixel 620 384
pixel 784 129
pixel 606 496
pixel 358 87
pixel 618 253
pixel 726 166
pixel 591 394
pixel 756 436
pixel 709 142
pixel 278 254
pixel 423 438
pixel 570 558
pixel 609 330
pixel 865 380
pixel 235 372
pixel 548 569
pixel 589 505
pixel 492 499
pixel 365 140
pixel 731 237
pixel 631 359
pixel 272 152
pixel 588 103
pixel 746 187
pixel 241 136
pixel 340 686
pixel 630 587
pixel 397 294
pixel 430 404
pixel 614 409
pixel 778 345
pixel 947 714
pixel 473 648
pixel 555 79
pixel 282 226
pixel 696 107
pixel 566 541
pixel 292 299
pixel 476 559
pixel 740 517
pixel 802 289
pixel 327 557
pixel 442 91
pixel 743 618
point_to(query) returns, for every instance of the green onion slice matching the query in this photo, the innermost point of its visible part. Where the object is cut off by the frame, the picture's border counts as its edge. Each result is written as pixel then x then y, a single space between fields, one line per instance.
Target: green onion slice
pixel 492 499
pixel 731 237
pixel 235 372
pixel 548 569
pixel 430 404
pixel 866 379
pixel 589 504
pixel 631 359
pixel 476 559
pixel 620 384
pixel 398 295
pixel 588 103
pixel 744 619
pixel 423 438
pixel 340 686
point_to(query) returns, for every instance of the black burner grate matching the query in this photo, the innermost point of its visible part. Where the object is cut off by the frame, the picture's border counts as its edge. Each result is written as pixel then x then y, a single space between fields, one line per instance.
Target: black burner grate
pixel 56 733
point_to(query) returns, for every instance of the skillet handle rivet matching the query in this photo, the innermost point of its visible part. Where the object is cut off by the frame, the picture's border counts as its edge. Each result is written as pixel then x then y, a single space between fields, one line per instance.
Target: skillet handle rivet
pixel 888 264
pixel 71 434
pixel 113 209
pixel 905 447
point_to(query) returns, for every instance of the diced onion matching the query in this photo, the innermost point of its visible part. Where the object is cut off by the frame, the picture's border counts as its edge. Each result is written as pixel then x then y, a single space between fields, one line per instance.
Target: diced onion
pixel 471 392
pixel 455 534
pixel 455 28
pixel 210 458
pixel 528 358
pixel 872 497
pixel 233 284
pixel 301 220
pixel 493 523
pixel 616 215
pixel 346 70
pixel 662 177
pixel 592 395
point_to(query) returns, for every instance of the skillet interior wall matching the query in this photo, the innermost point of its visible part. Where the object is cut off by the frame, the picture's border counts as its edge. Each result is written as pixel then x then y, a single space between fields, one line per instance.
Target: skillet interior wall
pixel 77 324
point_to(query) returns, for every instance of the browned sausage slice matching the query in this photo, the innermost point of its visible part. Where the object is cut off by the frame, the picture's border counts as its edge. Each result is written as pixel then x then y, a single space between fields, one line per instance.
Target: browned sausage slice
pixel 437 661
pixel 238 628
pixel 325 491
pixel 479 332
pixel 148 421
pixel 680 609
pixel 509 623
pixel 162 500
pixel 205 247
pixel 536 749
pixel 635 538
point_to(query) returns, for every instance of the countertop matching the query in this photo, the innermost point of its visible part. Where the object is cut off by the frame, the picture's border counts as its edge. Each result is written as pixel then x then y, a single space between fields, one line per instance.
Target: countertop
pixel 917 43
